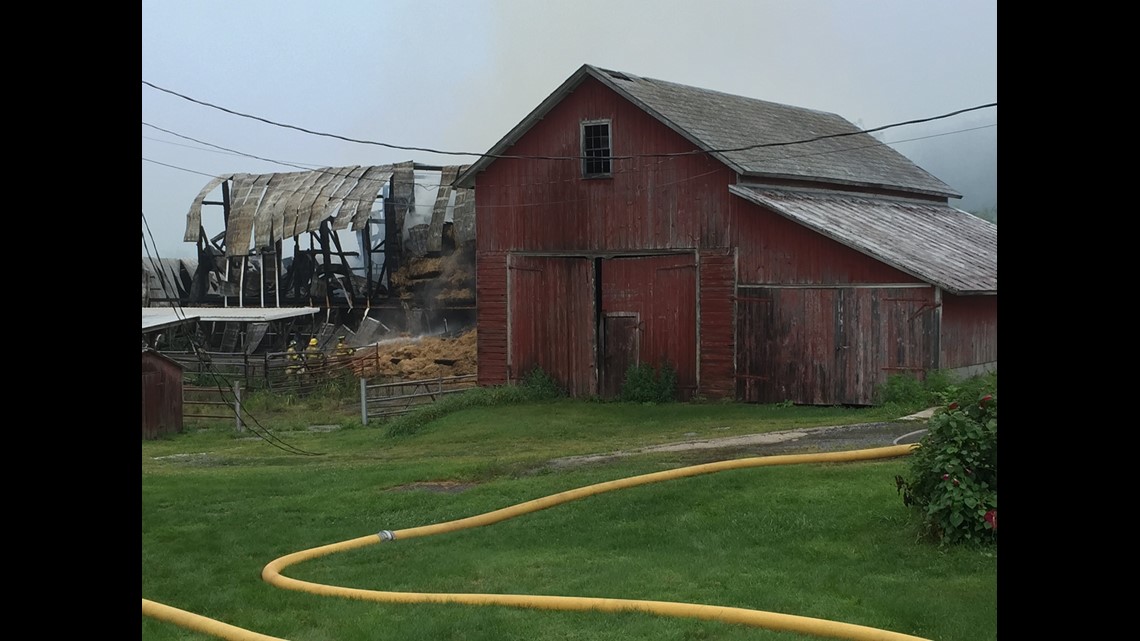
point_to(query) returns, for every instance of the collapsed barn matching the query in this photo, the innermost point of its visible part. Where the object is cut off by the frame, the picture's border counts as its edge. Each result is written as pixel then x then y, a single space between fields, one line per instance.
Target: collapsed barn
pixel 352 243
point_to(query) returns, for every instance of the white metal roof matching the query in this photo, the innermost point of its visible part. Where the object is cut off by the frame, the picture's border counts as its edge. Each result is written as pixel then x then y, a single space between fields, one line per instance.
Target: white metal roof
pixel 158 317
pixel 155 322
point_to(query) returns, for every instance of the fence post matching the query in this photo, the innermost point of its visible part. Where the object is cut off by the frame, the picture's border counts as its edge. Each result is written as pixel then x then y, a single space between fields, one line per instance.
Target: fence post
pixel 237 405
pixel 363 402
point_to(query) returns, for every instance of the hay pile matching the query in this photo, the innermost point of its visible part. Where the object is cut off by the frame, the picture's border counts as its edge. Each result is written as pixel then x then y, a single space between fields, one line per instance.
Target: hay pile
pixel 417 358
pixel 433 281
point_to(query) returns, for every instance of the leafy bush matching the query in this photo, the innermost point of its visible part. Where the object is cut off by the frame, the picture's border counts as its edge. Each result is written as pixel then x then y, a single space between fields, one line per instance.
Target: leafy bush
pixel 645 384
pixel 902 389
pixel 540 385
pixel 935 388
pixel 953 473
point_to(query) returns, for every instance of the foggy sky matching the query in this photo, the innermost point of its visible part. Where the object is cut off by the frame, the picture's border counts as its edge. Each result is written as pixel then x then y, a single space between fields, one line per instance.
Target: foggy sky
pixel 458 75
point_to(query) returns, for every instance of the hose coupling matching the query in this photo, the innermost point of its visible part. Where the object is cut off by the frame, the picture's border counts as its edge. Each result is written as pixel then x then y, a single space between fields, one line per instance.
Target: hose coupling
pixel 387 535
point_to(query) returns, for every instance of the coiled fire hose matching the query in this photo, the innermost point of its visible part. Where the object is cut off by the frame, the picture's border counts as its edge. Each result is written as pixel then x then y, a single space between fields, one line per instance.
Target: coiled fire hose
pixel 756 618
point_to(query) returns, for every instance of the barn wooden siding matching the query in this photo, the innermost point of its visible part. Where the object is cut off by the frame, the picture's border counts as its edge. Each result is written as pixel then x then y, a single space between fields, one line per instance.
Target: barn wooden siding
pixel 649 304
pixel 831 345
pixel 718 323
pixel 551 311
pixel 636 233
pixel 161 395
pixel 781 312
pixel 820 323
pixel 774 249
pixel 491 316
pixel 969 331
pixel 678 202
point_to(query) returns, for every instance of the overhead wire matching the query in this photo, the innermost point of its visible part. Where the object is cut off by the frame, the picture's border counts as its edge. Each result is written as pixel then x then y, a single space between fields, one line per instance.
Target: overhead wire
pixel 541 157
pixel 426 186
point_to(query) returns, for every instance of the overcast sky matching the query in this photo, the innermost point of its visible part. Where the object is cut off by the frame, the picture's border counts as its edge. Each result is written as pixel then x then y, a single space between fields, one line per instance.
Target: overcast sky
pixel 456 75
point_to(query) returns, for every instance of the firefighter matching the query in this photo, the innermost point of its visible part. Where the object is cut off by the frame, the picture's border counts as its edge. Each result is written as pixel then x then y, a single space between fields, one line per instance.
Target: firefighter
pixel 342 355
pixel 342 350
pixel 294 366
pixel 314 358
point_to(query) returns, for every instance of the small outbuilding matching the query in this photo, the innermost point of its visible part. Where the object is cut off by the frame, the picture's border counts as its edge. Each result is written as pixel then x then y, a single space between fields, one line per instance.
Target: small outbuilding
pixel 766 252
pixel 161 395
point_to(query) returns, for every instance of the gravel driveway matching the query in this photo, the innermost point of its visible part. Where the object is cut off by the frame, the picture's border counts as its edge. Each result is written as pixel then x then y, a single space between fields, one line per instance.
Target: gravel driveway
pixel 799 441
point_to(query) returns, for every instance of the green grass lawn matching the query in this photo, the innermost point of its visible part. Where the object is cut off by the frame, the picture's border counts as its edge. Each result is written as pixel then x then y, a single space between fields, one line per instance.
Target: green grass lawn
pixel 830 541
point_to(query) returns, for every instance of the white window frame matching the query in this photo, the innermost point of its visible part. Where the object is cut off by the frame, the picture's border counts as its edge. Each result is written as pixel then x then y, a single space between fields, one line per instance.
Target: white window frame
pixel 608 158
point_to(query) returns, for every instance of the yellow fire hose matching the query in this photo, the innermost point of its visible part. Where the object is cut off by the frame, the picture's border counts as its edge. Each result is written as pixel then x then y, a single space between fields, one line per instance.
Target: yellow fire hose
pixel 756 618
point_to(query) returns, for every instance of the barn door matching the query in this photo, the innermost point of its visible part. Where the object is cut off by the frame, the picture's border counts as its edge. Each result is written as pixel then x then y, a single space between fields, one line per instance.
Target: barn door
pixel 552 322
pixel 619 349
pixel 661 291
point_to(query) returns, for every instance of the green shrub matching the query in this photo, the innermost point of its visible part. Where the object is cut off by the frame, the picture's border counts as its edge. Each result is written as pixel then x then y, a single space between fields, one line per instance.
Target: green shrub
pixel 540 386
pixel 935 388
pixel 952 482
pixel 901 389
pixel 645 384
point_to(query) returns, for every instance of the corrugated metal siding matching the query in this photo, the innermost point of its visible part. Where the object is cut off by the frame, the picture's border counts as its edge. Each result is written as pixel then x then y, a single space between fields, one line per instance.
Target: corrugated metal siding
pixel 649 203
pixel 491 317
pixel 826 346
pixel 718 320
pixel 969 330
pixel 552 316
pixel 161 396
pixel 266 208
pixel 775 250
pixel 661 290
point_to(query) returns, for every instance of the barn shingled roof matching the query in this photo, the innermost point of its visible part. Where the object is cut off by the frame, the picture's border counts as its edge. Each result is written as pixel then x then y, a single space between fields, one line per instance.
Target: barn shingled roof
pixel 717 122
pixel 936 243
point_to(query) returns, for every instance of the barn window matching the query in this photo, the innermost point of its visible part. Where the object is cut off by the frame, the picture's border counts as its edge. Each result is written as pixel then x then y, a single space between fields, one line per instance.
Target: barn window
pixel 596 151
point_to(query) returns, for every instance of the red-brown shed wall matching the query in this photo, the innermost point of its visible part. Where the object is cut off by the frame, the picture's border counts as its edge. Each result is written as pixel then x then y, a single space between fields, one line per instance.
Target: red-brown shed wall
pixel 969 331
pixel 161 396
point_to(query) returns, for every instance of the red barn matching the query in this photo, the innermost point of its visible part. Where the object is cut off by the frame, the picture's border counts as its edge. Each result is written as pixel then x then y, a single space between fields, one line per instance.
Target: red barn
pixel 631 220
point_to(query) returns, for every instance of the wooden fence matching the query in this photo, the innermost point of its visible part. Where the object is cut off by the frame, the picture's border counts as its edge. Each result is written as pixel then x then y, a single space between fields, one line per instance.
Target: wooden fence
pixel 270 371
pixel 214 382
pixel 390 399
pixel 200 401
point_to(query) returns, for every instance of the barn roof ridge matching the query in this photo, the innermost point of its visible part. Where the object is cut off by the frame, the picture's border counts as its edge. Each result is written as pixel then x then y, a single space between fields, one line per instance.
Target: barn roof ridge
pixel 746 134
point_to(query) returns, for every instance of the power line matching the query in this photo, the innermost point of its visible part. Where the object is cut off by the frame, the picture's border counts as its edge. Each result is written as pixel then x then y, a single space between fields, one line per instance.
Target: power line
pixel 227 150
pixel 314 167
pixel 310 131
pixel 145 159
pixel 485 155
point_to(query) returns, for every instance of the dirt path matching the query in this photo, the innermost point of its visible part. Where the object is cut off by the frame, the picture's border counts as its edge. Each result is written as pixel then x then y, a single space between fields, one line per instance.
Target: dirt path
pixel 799 441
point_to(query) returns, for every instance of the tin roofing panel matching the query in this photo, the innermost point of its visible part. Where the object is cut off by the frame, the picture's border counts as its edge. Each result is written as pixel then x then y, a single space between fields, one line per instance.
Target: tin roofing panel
pixel 164 317
pixel 939 244
pixel 266 208
pixel 251 314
